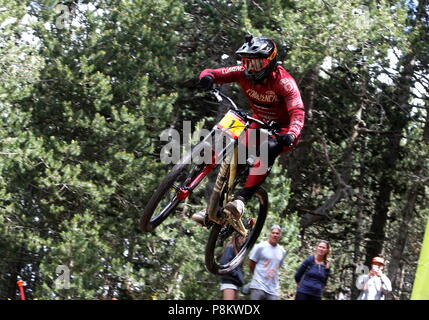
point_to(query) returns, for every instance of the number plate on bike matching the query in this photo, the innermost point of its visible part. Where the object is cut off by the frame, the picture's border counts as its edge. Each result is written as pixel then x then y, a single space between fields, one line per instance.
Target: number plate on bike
pixel 232 124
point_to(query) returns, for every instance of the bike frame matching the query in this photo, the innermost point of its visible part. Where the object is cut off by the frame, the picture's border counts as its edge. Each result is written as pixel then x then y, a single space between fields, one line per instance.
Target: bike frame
pixel 217 158
pixel 231 149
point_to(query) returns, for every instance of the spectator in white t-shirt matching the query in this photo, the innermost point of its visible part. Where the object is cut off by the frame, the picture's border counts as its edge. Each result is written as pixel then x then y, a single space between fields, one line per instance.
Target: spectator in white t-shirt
pixel 266 259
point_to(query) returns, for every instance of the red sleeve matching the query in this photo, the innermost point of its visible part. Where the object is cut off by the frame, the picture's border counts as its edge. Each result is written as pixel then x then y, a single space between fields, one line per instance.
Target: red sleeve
pixel 291 96
pixel 224 75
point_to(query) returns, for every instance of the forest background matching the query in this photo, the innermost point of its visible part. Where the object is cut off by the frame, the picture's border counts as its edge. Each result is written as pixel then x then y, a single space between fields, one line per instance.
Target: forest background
pixel 88 86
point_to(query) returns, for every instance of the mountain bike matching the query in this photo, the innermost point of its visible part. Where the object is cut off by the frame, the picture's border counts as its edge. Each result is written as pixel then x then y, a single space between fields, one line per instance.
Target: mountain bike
pixel 186 175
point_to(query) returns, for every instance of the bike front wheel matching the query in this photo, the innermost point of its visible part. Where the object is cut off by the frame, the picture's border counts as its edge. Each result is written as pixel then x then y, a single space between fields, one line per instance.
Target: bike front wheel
pixel 221 235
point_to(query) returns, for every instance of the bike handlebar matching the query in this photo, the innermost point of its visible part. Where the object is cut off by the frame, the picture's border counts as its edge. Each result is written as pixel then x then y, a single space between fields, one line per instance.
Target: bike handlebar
pixel 220 95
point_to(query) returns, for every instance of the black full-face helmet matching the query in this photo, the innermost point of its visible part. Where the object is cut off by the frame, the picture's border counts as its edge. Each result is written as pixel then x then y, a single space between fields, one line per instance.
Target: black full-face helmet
pixel 259 57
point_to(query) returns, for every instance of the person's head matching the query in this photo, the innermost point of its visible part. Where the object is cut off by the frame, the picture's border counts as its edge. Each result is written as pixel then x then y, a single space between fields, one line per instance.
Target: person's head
pixel 323 249
pixel 237 241
pixel 258 56
pixel 377 263
pixel 275 235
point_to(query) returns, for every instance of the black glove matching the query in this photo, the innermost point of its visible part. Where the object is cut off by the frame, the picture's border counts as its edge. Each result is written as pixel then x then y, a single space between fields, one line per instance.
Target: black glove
pixel 206 82
pixel 287 139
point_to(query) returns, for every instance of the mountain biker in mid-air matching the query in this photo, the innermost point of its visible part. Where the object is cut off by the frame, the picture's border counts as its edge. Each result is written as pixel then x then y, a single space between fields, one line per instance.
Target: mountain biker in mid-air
pixel 273 95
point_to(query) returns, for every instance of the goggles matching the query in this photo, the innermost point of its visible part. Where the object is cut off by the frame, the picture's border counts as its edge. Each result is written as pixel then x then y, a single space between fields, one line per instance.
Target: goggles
pixel 255 65
pixel 258 64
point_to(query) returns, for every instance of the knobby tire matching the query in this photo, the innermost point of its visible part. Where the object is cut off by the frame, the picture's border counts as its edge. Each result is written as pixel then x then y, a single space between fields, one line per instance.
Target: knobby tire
pixel 210 257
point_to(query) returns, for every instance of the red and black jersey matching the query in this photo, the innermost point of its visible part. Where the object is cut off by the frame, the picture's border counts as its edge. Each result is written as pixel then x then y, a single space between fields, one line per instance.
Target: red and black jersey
pixel 277 98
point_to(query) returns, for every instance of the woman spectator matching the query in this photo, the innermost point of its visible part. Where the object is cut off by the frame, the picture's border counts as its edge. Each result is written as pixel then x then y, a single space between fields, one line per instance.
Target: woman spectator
pixel 313 273
pixel 232 281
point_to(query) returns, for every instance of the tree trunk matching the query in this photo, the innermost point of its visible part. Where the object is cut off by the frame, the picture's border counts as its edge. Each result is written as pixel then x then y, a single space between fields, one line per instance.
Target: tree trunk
pixel 401 240
pixel 358 234
pixel 399 117
pixel 426 128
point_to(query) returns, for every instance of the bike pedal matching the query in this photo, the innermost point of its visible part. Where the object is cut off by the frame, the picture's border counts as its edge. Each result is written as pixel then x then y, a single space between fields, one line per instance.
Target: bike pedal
pixel 218 218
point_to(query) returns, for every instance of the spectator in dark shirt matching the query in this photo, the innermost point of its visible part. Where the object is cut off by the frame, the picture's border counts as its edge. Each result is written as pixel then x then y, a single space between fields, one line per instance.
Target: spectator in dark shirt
pixel 232 281
pixel 313 273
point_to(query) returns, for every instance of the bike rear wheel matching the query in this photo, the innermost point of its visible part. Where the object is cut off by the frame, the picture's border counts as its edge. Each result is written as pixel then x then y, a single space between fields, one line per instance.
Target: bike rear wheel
pixel 220 236
pixel 169 193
